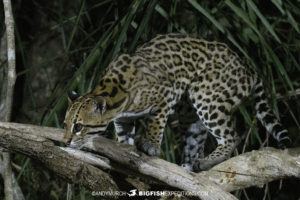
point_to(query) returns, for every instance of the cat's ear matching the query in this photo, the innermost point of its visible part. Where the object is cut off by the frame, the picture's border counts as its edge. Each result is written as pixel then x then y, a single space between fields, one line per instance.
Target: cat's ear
pixel 72 96
pixel 100 105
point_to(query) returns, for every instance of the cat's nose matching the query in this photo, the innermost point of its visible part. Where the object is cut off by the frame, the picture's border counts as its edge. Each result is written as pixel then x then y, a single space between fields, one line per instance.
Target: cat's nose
pixel 67 141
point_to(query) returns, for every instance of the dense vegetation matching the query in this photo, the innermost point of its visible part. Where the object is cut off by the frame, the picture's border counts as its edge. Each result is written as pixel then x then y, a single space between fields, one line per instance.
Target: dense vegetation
pixel 66 45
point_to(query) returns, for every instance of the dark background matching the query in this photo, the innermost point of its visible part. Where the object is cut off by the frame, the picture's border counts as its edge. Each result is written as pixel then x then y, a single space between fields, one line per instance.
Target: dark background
pixel 66 45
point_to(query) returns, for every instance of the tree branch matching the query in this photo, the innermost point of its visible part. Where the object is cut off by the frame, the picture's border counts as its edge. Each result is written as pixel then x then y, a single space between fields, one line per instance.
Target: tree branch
pixel 289 94
pixel 62 163
pixel 255 168
pixel 11 187
pixel 160 170
pixel 250 169
pixel 11 57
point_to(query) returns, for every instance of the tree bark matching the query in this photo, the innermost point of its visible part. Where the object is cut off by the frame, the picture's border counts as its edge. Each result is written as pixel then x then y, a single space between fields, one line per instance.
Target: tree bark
pixel 255 168
pixel 63 164
pixel 250 169
pixel 11 188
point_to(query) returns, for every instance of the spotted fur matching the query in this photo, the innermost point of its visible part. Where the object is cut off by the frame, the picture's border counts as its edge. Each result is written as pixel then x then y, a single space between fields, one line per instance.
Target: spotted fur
pixel 151 81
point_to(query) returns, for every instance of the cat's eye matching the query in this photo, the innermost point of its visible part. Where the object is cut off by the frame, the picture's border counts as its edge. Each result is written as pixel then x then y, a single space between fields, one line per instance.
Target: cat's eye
pixel 77 128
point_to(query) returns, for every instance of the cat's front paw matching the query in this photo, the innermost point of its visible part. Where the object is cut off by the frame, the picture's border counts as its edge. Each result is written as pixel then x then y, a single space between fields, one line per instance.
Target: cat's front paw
pixel 147 147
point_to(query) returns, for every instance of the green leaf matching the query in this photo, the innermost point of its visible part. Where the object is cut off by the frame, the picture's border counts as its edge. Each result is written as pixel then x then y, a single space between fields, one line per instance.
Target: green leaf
pixel 250 122
pixel 75 27
pixel 143 23
pixel 278 4
pixel 249 34
pixel 292 21
pixel 243 15
pixel 206 14
pixel 122 37
pixel 278 65
pixel 162 12
pixel 263 19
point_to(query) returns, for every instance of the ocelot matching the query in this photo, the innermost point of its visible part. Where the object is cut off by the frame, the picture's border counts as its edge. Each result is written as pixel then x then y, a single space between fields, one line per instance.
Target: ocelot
pixel 150 82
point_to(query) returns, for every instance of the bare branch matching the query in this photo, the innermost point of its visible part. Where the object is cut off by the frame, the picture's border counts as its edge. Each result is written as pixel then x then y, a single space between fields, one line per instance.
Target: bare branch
pixel 122 158
pixel 255 168
pixel 288 95
pixel 156 168
pixel 11 57
pixel 3 76
pixel 250 169
pixel 11 188
pixel 62 163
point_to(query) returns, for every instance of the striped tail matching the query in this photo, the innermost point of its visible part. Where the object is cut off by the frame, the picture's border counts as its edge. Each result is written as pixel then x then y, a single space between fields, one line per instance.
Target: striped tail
pixel 267 118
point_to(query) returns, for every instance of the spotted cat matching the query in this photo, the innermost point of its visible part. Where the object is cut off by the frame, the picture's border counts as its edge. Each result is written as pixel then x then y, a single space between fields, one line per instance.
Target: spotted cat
pixel 152 80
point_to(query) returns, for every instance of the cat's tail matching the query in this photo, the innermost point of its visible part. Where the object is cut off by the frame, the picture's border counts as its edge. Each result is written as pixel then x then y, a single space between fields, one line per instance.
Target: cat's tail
pixel 266 116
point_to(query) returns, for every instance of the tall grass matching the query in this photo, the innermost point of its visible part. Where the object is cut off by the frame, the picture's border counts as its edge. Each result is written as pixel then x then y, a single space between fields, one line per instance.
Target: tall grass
pixel 264 33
